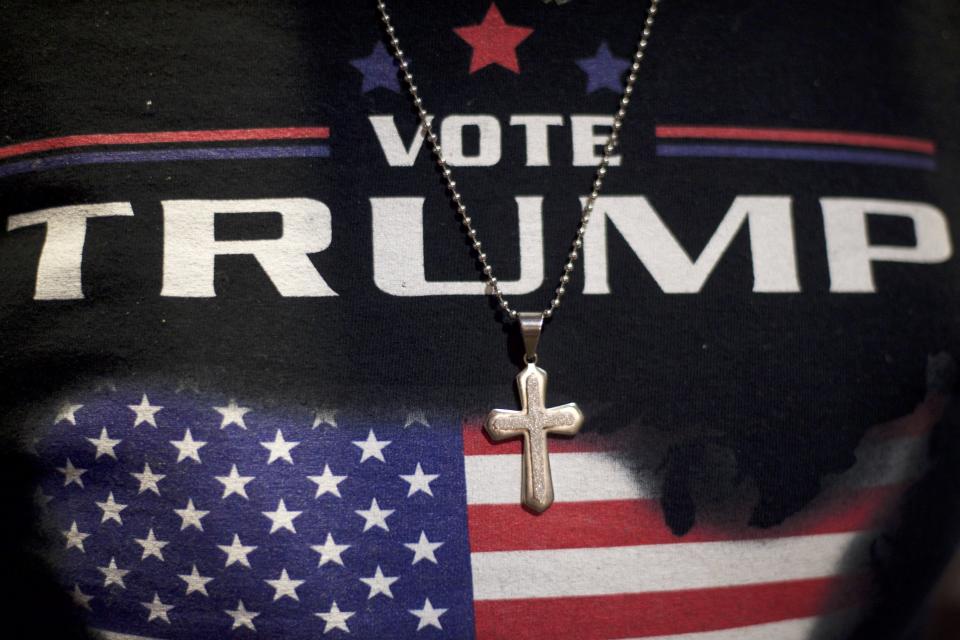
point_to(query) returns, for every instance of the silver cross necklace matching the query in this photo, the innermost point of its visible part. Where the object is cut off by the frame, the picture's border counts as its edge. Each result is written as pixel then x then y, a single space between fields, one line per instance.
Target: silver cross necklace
pixel 534 421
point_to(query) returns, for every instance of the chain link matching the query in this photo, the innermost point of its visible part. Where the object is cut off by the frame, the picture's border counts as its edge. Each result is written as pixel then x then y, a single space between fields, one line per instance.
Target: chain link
pixel 493 285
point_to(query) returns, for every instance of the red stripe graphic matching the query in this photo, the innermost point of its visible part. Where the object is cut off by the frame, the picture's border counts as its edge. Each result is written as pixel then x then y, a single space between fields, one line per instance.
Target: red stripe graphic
pixel 920 422
pixel 477 443
pixel 662 613
pixel 209 135
pixel 854 139
pixel 615 523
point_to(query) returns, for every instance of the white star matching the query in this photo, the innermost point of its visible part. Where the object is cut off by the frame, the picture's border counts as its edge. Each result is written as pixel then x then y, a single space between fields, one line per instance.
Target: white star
pixel 151 546
pixel 157 609
pixel 279 448
pixel 281 518
pixel 372 448
pixel 186 384
pixel 379 583
pixel 104 445
pixel 284 586
pixel 41 499
pixel 413 417
pixel 188 447
pixel 111 509
pixel 195 581
pixel 236 552
pixel 145 411
pixel 429 617
pixel 375 516
pixel 113 575
pixel 336 619
pixel 148 479
pixel 423 549
pixel 72 474
pixel 80 598
pixel 321 416
pixel 190 516
pixel 107 385
pixel 242 617
pixel 330 551
pixel 234 483
pixel 232 414
pixel 66 412
pixel 327 482
pixel 74 537
pixel 420 481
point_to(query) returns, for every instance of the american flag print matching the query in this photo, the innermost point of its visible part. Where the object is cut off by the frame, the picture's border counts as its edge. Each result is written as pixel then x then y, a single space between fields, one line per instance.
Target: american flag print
pixel 182 518
pixel 175 515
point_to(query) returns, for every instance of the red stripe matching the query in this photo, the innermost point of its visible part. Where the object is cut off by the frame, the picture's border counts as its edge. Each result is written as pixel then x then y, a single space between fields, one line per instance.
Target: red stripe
pixel 477 443
pixel 210 135
pixel 615 523
pixel 918 423
pixel 662 613
pixel 854 139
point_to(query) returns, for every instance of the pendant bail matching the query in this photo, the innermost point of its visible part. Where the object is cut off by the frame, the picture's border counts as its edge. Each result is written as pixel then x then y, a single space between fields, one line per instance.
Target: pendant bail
pixel 531 324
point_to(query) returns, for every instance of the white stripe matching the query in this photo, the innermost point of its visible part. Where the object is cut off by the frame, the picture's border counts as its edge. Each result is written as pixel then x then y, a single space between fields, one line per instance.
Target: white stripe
pixel 887 461
pixel 495 479
pixel 576 476
pixel 113 635
pixel 555 573
pixel 826 627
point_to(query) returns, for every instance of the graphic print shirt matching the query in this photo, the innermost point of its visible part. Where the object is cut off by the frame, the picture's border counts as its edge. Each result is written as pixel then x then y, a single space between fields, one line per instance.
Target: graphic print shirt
pixel 246 355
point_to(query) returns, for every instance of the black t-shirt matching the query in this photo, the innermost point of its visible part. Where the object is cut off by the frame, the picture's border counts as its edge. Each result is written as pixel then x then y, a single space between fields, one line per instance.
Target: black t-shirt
pixel 246 355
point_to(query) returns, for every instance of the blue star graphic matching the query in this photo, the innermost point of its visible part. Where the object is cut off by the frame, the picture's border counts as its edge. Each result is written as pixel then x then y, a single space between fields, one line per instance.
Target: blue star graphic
pixel 604 71
pixel 378 70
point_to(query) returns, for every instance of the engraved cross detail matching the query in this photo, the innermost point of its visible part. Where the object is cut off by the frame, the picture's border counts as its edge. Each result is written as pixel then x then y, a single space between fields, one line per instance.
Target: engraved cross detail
pixel 534 422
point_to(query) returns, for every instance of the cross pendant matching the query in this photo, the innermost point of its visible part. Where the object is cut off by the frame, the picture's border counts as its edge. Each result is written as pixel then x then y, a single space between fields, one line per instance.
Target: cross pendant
pixel 534 422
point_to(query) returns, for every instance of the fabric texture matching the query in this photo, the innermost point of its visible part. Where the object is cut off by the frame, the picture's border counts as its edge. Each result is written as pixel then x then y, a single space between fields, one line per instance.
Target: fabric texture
pixel 222 226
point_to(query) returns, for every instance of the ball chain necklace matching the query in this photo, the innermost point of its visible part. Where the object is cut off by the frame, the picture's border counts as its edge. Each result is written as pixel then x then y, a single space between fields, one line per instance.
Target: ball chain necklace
pixel 534 421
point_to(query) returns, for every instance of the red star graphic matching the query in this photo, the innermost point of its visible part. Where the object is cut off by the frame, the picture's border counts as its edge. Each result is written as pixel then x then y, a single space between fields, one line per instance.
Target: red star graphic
pixel 494 41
